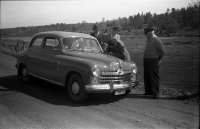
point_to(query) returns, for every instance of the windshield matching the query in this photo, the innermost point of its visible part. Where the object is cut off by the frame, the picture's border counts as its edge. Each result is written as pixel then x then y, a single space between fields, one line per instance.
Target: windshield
pixel 79 43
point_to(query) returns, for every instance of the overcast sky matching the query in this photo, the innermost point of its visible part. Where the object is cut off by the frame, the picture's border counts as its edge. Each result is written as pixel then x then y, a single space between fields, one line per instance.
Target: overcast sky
pixel 34 13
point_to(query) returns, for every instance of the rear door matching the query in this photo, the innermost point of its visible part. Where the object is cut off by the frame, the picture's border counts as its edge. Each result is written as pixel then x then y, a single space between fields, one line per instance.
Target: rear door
pixel 48 62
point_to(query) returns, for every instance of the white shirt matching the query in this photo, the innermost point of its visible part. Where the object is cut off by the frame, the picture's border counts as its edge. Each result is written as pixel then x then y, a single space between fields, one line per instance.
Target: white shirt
pixel 117 37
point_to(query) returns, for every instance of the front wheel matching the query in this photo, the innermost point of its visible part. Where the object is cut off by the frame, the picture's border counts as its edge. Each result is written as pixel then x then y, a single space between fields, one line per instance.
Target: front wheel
pixel 76 90
pixel 25 75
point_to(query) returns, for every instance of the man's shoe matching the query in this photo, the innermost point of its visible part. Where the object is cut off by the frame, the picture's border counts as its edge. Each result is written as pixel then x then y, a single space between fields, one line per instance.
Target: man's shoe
pixel 156 96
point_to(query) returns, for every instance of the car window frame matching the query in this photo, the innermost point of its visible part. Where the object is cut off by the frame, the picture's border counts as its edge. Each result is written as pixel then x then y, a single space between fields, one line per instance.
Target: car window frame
pixel 53 52
pixel 52 37
pixel 32 41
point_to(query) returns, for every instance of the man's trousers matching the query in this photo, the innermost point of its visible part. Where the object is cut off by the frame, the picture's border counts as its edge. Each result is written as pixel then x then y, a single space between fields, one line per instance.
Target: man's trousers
pixel 151 75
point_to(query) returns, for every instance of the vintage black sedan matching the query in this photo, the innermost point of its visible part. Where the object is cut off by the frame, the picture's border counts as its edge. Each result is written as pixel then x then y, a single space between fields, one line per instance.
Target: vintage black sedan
pixel 76 61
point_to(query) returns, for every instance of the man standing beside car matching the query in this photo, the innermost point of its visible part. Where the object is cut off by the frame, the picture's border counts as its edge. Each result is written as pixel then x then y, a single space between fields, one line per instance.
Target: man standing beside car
pixel 153 53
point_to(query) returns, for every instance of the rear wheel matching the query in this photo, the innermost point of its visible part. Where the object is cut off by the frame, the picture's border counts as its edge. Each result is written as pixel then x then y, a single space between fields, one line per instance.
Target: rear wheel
pixel 76 90
pixel 25 75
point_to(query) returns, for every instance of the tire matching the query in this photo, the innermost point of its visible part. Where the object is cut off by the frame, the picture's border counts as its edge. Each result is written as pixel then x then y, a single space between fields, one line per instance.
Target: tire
pixel 24 73
pixel 76 90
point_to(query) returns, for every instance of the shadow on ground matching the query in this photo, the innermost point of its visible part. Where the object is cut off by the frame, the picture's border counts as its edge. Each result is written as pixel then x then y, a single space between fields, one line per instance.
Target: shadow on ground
pixel 57 95
pixel 49 93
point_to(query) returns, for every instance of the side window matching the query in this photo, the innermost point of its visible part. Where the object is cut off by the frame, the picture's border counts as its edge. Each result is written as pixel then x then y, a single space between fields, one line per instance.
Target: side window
pixel 51 44
pixel 37 43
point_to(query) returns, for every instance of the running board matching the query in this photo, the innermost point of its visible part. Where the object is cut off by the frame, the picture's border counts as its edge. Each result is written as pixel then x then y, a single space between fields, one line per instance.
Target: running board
pixel 46 79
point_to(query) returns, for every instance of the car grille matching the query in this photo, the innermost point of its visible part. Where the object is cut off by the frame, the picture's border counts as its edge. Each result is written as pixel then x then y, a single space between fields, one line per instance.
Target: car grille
pixel 117 79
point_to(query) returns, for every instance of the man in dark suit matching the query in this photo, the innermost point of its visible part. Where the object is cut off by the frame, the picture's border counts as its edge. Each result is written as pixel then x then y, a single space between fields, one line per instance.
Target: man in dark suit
pixel 107 34
pixel 96 34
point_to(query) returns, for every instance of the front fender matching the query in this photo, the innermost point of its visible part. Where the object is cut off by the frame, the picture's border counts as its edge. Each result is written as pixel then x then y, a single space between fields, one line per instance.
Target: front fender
pixel 77 65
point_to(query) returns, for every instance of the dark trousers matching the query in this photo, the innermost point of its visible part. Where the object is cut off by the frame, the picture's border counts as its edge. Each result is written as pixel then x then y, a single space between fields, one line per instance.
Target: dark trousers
pixel 151 75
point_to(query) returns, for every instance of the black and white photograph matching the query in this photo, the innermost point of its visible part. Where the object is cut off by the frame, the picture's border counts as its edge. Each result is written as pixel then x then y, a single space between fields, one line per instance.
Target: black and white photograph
pixel 99 64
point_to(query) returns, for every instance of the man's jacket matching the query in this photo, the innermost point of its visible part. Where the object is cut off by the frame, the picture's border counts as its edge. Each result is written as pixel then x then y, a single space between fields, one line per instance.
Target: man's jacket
pixel 117 50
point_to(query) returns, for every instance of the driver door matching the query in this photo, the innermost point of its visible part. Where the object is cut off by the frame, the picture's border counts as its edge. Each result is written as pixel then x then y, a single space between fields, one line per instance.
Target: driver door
pixel 48 60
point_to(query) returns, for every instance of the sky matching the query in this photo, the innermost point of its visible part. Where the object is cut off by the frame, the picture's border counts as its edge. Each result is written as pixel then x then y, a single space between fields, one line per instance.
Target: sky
pixel 45 12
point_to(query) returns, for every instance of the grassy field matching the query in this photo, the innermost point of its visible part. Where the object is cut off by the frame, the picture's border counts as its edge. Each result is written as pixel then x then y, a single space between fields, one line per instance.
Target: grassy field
pixel 130 43
pixel 179 68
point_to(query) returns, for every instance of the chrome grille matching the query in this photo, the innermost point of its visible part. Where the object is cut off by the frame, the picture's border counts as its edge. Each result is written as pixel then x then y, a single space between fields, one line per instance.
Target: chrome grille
pixel 116 78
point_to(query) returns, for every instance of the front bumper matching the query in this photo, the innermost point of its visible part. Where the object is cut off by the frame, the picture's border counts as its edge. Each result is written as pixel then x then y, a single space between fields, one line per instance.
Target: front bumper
pixel 109 88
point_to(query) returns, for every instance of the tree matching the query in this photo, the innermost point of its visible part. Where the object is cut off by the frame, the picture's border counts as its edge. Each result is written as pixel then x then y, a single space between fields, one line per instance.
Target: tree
pixel 182 14
pixel 168 17
pixel 148 18
pixel 131 20
pixel 173 13
pixel 155 19
pixel 195 5
pixel 195 18
pixel 161 21
pixel 124 22
pixel 138 21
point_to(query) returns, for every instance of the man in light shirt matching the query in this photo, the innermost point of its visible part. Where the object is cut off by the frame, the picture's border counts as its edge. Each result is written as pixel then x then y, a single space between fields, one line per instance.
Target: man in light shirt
pixel 114 35
pixel 153 54
pixel 117 37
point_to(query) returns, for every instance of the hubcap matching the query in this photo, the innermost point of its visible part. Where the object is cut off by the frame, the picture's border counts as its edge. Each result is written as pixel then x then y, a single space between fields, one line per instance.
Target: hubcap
pixel 75 88
pixel 24 72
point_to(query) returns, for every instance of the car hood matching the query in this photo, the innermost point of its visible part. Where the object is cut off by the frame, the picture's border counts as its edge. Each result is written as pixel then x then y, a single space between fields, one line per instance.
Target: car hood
pixel 99 58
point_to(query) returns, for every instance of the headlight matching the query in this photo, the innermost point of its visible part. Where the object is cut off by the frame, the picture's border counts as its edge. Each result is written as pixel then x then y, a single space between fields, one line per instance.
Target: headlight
pixel 114 66
pixel 133 67
pixel 96 71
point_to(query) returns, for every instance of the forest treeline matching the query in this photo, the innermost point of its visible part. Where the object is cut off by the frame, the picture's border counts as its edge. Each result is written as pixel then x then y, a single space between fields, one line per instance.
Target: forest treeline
pixel 172 18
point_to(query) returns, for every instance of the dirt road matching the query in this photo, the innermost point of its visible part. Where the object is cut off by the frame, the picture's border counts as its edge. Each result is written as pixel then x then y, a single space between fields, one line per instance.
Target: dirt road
pixel 41 105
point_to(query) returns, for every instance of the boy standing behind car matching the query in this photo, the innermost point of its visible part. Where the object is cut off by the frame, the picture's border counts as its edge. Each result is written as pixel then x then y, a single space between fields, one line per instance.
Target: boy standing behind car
pixel 96 33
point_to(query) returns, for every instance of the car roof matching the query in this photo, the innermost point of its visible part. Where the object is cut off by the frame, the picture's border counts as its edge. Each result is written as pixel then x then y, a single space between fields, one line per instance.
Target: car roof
pixel 63 34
